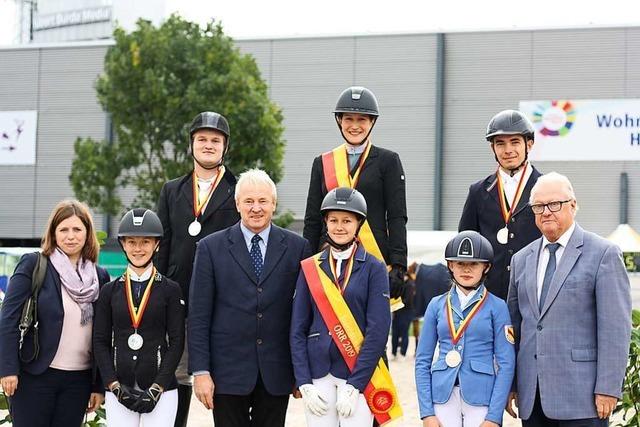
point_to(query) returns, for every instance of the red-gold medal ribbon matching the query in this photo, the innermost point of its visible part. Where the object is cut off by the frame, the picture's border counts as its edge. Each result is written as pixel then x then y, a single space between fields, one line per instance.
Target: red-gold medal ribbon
pixel 136 314
pixel 506 214
pixel 456 334
pixel 348 268
pixel 197 205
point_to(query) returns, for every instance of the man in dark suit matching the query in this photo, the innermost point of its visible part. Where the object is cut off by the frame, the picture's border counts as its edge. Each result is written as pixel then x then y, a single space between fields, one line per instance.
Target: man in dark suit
pixel 191 207
pixel 242 288
pixel 496 206
pixel 375 172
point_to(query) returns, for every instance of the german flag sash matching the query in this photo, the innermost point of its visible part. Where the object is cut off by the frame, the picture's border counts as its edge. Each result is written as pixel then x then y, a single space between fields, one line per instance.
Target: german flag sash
pixel 337 174
pixel 380 393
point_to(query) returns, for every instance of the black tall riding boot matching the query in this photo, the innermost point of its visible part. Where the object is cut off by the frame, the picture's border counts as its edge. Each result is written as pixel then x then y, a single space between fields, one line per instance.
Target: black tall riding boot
pixel 184 401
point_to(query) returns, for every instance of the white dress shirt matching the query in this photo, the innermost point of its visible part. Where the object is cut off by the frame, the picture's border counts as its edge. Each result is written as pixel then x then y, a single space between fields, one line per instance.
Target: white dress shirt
pixel 464 299
pixel 543 258
pixel 511 182
pixel 340 256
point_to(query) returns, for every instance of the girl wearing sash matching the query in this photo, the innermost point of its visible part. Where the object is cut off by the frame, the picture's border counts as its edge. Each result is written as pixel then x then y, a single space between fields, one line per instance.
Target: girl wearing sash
pixel 340 324
pixel 469 382
pixel 376 172
pixel 139 331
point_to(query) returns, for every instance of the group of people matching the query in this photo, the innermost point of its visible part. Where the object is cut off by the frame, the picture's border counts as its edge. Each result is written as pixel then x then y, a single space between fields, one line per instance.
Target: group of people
pixel 219 301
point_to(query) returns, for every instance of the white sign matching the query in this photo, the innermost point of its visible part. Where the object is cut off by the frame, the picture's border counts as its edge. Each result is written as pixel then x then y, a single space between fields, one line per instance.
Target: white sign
pixel 72 17
pixel 18 137
pixel 598 129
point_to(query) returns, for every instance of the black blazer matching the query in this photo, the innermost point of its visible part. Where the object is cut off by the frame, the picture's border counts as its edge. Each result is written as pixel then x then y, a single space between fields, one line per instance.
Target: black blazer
pixel 175 209
pixel 382 183
pixel 482 213
pixel 238 324
pixel 50 318
pixel 162 329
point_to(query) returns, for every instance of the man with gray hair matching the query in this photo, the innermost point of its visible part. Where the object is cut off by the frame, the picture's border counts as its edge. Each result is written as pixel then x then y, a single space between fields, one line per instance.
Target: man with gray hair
pixel 241 293
pixel 570 304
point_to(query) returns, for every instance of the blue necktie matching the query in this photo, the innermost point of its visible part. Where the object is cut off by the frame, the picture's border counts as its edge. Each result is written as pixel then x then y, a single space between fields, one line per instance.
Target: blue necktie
pixel 548 273
pixel 256 255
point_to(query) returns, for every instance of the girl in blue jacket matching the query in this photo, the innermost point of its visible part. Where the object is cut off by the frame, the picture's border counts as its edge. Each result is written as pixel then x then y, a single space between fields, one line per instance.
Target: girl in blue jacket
pixel 469 381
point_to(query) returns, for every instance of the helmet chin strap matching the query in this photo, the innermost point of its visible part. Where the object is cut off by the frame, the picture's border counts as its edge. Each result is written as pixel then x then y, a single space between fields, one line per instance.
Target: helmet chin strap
pixel 146 264
pixel 345 138
pixel 513 171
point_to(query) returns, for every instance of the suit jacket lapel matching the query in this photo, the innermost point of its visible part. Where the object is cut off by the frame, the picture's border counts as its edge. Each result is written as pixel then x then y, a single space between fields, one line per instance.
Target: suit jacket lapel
pixel 56 278
pixel 239 251
pixel 276 248
pixel 373 154
pixel 186 189
pixel 220 195
pixel 569 257
pixel 492 188
pixel 531 277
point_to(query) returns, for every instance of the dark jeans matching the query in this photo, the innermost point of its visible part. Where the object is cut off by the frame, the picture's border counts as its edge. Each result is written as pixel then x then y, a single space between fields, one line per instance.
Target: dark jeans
pixel 539 419
pixel 258 409
pixel 54 398
pixel 400 330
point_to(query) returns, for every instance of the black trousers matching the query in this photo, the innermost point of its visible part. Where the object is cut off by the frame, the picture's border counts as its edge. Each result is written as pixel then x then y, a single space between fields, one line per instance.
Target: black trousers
pixel 54 398
pixel 539 419
pixel 258 409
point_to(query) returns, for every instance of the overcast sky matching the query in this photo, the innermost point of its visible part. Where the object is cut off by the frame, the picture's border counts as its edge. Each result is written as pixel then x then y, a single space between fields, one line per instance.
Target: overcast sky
pixel 283 18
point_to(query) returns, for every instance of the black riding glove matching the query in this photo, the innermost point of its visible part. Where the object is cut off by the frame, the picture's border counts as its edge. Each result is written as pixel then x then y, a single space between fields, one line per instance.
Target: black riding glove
pixel 126 395
pixel 396 281
pixel 148 399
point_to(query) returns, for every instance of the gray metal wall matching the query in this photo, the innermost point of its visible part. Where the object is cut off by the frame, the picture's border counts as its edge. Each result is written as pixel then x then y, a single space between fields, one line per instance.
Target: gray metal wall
pixel 484 72
pixel 58 82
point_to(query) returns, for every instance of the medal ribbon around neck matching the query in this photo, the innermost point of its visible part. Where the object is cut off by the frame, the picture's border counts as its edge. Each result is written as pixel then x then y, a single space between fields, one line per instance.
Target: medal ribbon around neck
pixel 136 315
pixel 506 214
pixel 356 176
pixel 348 269
pixel 456 334
pixel 197 206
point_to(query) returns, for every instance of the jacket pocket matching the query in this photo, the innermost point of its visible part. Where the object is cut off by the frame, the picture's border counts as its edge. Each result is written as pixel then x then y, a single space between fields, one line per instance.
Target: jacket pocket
pixel 584 354
pixel 440 365
pixel 314 335
pixel 481 367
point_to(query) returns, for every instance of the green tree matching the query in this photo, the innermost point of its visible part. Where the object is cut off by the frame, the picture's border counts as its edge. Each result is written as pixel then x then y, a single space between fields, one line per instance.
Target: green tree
pixel 155 80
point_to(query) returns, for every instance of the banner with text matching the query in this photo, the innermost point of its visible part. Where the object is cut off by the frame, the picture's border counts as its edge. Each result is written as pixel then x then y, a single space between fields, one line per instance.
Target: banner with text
pixel 588 129
pixel 18 137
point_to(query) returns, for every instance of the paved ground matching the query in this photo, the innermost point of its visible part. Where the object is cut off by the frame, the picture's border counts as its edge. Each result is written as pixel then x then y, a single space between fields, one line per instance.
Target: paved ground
pixel 403 376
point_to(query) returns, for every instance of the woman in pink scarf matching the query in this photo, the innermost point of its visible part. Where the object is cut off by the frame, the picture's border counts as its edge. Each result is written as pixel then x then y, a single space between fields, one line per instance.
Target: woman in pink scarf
pixel 54 383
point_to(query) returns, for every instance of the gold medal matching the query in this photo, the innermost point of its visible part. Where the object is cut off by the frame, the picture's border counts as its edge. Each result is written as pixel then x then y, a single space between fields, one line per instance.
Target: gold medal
pixel 503 236
pixel 453 358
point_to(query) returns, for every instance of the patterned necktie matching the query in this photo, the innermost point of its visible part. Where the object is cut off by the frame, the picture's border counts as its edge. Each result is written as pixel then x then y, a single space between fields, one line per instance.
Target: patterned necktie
pixel 548 273
pixel 256 255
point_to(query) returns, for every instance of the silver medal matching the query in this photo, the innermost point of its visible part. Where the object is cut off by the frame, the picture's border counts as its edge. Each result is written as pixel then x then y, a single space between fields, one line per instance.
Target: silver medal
pixel 503 235
pixel 194 228
pixel 135 341
pixel 453 358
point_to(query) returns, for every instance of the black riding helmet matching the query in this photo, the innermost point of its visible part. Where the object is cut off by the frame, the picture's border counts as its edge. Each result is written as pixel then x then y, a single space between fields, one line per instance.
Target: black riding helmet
pixel 510 122
pixel 360 100
pixel 214 121
pixel 140 223
pixel 347 200
pixel 469 246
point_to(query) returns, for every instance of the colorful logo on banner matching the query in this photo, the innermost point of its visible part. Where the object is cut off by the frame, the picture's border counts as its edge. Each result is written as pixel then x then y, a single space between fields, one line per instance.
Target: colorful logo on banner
pixel 555 118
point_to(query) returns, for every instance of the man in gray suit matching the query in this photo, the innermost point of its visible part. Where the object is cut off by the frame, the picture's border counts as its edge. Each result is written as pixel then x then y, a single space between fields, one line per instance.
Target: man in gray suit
pixel 570 304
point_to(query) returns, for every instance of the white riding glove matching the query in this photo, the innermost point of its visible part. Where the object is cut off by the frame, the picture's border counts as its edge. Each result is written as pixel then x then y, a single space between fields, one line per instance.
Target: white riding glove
pixel 347 400
pixel 313 401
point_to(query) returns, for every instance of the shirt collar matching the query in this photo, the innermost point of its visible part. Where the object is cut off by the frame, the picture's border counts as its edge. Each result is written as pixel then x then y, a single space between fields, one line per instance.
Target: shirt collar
pixel 526 170
pixel 563 240
pixel 342 254
pixel 248 234
pixel 146 275
pixel 356 149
